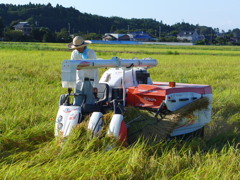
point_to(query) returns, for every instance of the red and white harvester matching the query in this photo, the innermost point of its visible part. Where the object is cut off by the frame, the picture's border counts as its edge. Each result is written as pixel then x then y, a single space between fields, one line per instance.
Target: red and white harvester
pixel 128 83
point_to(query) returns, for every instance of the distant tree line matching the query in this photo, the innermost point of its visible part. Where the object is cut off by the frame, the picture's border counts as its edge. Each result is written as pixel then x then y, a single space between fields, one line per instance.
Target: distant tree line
pixel 56 24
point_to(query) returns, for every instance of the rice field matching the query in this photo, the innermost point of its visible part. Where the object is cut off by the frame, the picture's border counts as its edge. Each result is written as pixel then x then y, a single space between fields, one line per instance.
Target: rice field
pixel 30 86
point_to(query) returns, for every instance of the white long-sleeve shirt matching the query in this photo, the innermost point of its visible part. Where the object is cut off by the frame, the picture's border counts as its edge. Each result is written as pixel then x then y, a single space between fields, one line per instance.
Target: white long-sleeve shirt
pixel 86 73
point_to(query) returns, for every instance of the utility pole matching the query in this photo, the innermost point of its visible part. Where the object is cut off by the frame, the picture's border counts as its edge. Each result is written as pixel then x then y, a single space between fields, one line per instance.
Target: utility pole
pixel 128 29
pixel 69 28
pixel 159 32
pixel 211 36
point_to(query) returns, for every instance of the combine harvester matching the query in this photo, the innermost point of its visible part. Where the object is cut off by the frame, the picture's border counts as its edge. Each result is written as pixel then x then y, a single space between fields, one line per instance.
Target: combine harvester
pixel 127 83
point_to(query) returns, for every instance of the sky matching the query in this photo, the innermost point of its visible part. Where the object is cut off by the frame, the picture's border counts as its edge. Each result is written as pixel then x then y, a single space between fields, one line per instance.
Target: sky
pixel 221 14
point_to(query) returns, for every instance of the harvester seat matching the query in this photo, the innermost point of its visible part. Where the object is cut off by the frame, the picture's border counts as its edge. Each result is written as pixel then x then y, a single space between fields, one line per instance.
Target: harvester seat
pixel 102 96
pixel 103 93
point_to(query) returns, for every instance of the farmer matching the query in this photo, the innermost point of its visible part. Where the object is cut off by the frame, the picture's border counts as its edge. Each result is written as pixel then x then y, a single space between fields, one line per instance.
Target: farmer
pixel 87 79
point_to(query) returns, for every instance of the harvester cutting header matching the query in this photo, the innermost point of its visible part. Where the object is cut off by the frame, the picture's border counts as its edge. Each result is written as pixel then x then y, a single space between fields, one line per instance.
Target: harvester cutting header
pixel 128 83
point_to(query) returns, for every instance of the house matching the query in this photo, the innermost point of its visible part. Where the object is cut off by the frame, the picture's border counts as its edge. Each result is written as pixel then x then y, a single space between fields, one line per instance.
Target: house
pixel 190 36
pixel 135 36
pixel 196 37
pixel 141 36
pixel 235 39
pixel 110 37
pixel 116 37
pixel 23 27
pixel 185 36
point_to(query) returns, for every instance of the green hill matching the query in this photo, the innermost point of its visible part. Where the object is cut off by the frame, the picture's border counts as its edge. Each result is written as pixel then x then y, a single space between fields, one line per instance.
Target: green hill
pixel 60 17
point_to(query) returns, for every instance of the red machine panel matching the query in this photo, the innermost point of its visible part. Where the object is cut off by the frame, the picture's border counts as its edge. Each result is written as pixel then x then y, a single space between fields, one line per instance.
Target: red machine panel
pixel 151 96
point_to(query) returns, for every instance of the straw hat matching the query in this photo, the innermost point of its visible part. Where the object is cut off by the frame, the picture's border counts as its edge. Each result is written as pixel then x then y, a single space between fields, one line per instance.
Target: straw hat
pixel 78 42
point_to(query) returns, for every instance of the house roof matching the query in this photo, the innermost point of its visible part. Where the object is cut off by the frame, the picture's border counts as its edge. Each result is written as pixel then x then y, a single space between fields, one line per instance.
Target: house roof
pixel 21 25
pixel 142 37
pixel 114 35
pixel 185 33
pixel 139 33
